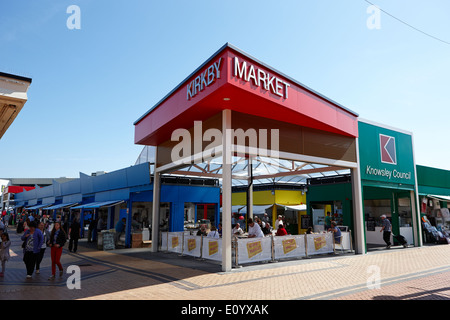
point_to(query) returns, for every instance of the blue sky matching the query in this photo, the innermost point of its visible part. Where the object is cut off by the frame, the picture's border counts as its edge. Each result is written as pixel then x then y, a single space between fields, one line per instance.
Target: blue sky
pixel 90 85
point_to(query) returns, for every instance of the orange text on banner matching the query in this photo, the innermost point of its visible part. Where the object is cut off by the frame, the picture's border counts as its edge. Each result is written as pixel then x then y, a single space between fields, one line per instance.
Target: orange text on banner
pixel 253 248
pixel 320 242
pixel 213 247
pixel 192 244
pixel 289 245
pixel 174 242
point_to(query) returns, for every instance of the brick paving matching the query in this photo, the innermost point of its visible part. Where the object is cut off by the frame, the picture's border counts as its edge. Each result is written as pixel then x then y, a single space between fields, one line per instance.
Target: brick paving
pixel 138 274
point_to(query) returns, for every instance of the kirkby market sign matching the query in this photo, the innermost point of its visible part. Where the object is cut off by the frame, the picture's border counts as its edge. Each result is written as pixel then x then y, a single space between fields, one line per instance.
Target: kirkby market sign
pixel 242 70
pixel 204 80
pixel 260 78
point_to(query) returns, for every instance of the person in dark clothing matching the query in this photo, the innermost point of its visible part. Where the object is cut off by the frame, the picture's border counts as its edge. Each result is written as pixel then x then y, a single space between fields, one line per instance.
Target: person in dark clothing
pixel 56 242
pixel 74 235
pixel 386 229
pixel 46 235
pixel 92 228
pixel 32 243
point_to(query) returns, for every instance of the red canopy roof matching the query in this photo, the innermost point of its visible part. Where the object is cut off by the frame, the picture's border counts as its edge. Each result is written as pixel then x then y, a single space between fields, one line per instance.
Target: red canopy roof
pixel 233 80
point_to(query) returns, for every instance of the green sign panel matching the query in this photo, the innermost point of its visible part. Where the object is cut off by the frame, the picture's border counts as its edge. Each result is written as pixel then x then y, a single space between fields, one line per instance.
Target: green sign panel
pixel 385 155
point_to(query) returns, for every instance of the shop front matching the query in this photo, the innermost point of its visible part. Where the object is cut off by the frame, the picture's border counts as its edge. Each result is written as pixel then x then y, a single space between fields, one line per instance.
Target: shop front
pixel 389 184
pixel 101 201
pixel 273 202
pixel 434 203
pixel 330 197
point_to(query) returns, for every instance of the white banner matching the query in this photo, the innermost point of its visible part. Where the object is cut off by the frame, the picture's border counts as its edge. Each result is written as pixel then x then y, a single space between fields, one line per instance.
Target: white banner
pixel 254 249
pixel 212 249
pixel 175 242
pixel 319 243
pixel 192 245
pixel 289 246
pixel 164 246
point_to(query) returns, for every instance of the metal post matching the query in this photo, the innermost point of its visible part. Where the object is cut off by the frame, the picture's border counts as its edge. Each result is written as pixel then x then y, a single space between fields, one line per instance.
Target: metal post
pixel 358 210
pixel 306 246
pixel 226 190
pixel 155 208
pixel 250 188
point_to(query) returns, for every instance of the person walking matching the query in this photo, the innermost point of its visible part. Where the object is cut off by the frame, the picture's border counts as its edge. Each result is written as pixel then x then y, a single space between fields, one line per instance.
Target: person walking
pixel 91 229
pixel 386 229
pixel 46 235
pixel 74 235
pixel 120 228
pixel 4 252
pixel 32 239
pixel 57 240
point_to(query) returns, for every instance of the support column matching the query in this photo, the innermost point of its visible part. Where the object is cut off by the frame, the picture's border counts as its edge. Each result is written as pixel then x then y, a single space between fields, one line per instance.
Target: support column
pixel 358 212
pixel 250 188
pixel 155 208
pixel 226 190
pixel 128 230
pixel 416 221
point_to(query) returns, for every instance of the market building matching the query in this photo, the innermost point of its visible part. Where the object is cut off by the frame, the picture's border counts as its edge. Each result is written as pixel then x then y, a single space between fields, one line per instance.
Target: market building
pixel 275 144
pixel 13 96
pixel 238 139
pixel 11 186
pixel 389 186
pixel 232 98
pixel 125 193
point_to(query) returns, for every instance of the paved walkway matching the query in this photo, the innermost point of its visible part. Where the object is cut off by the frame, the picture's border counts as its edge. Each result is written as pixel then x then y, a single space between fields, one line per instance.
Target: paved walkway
pixel 413 273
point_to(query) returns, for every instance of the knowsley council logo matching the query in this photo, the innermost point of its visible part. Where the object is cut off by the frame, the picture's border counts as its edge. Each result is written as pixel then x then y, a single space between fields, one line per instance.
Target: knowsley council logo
pixel 388 153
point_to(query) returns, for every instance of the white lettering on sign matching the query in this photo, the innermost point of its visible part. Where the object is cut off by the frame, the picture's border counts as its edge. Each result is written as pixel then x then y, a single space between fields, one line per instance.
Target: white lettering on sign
pixel 204 80
pixel 260 78
pixel 388 173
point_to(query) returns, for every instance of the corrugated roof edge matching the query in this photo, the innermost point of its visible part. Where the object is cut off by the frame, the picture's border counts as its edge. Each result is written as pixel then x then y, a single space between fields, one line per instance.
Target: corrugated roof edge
pixel 228 45
pixel 16 77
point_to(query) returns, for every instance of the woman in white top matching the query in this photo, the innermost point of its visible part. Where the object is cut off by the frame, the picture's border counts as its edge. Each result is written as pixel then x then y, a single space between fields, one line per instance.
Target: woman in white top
pixel 213 233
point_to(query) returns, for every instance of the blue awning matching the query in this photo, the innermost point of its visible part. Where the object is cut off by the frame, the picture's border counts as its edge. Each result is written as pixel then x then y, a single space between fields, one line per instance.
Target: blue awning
pixel 96 205
pixel 37 207
pixel 61 205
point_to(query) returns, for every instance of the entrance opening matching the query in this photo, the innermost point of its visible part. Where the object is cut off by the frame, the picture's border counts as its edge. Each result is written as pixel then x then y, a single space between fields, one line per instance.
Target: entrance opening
pixel 396 206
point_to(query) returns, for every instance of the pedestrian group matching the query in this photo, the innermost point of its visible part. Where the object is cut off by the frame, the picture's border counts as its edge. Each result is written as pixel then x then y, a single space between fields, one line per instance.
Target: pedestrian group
pixel 36 238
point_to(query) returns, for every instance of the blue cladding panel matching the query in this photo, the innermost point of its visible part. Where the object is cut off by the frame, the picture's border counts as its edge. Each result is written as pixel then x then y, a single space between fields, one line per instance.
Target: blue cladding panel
pixel 139 175
pixel 121 194
pixel 144 196
pixel 70 187
pixel 73 198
